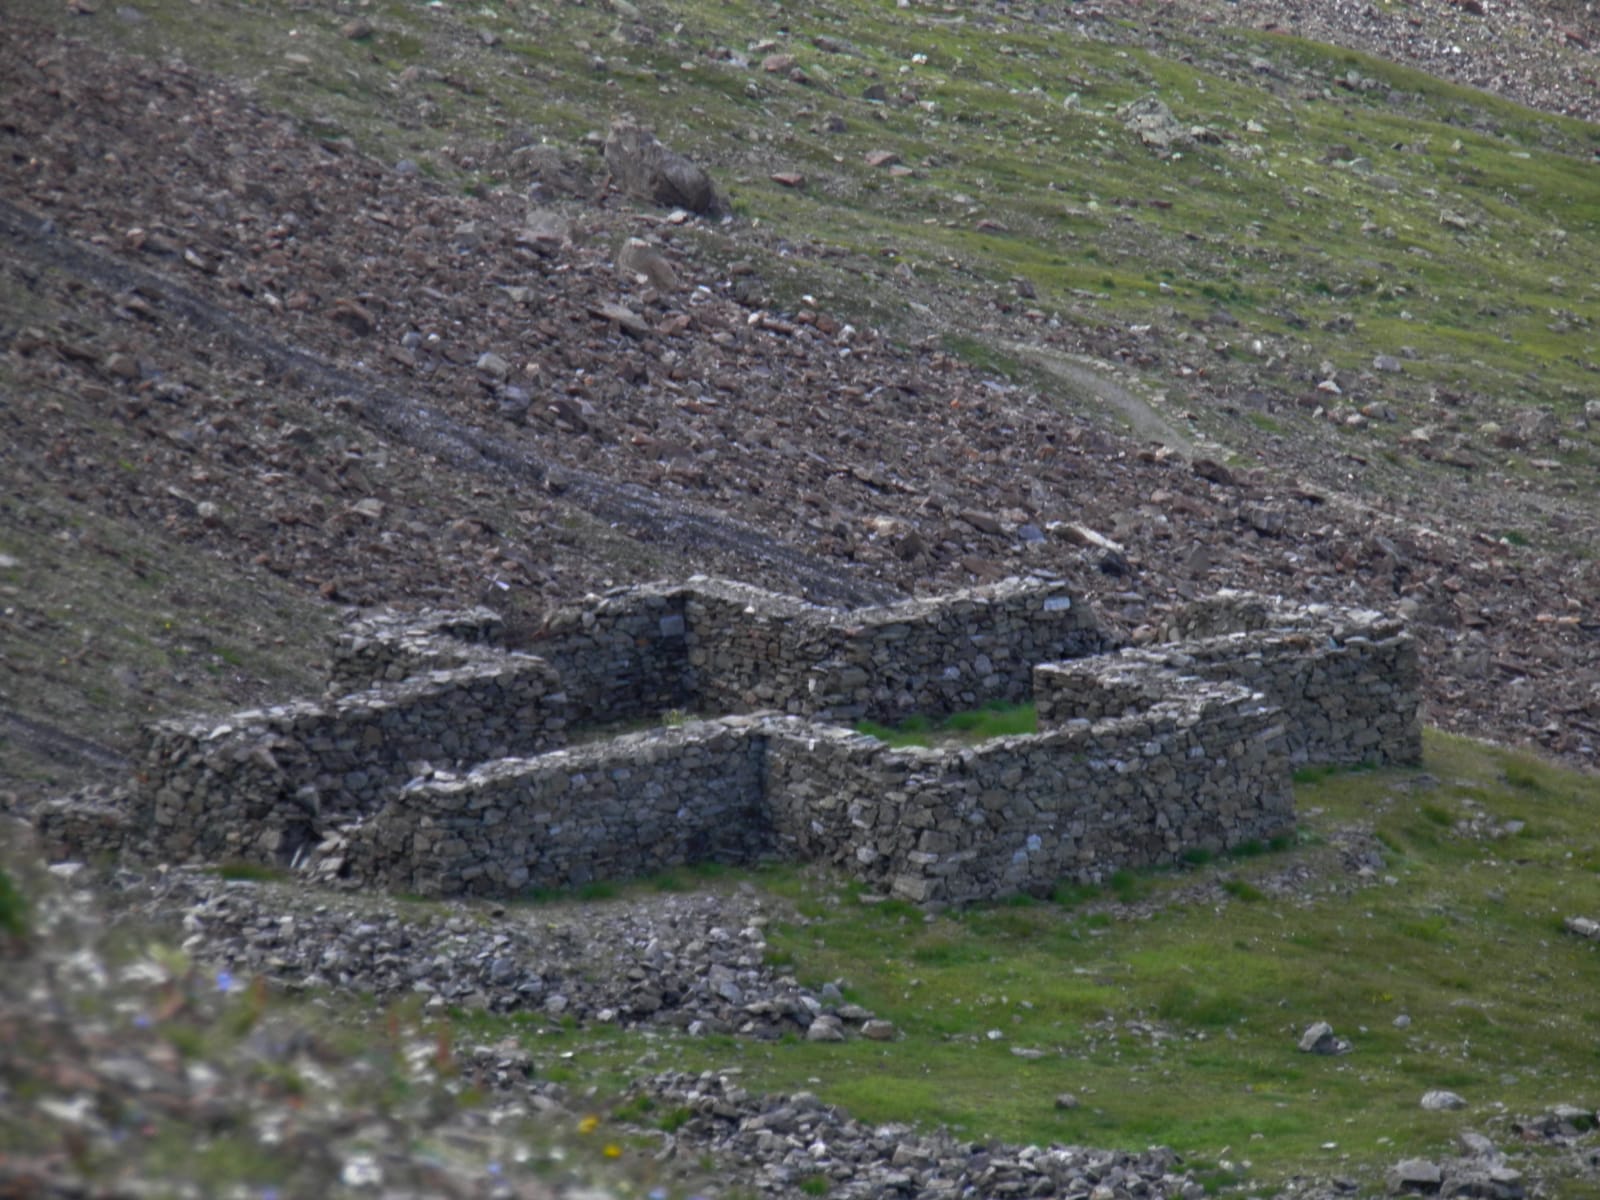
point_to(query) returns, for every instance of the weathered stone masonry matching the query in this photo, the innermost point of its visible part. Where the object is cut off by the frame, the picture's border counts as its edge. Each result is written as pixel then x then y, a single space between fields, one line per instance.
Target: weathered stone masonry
pixel 439 764
pixel 1347 681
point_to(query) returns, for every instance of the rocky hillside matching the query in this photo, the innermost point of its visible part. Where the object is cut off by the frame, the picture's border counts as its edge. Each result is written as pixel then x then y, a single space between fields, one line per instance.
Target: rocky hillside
pixel 261 371
pixel 311 307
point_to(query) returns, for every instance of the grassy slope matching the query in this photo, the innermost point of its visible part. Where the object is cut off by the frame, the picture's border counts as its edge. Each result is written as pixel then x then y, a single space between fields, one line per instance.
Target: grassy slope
pixel 1180 1027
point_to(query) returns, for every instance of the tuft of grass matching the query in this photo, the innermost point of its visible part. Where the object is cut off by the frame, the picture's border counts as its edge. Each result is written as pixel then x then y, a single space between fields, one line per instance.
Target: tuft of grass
pixel 599 889
pixel 675 1120
pixel 1071 895
pixel 1316 774
pixel 911 732
pixel 1441 817
pixel 1128 886
pixel 248 872
pixel 1521 773
pixel 13 908
pixel 1199 1006
pixel 993 720
pixel 1240 889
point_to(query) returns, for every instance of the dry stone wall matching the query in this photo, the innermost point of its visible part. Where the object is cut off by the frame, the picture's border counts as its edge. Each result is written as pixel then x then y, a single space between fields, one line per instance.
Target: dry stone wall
pixel 713 646
pixel 1203 768
pixel 1348 680
pixel 932 657
pixel 387 647
pixel 264 783
pixel 624 807
pixel 621 656
pixel 413 693
pixel 444 772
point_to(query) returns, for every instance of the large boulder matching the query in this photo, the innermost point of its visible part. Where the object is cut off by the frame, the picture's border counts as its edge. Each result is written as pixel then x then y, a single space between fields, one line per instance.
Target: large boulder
pixel 643 167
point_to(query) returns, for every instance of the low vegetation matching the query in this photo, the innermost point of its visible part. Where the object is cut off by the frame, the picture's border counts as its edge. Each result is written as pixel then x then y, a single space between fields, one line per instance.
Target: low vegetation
pixel 1170 1004
pixel 994 720
pixel 1420 911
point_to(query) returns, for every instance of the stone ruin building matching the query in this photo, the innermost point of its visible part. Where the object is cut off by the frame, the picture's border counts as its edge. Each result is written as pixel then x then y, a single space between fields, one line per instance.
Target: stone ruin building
pixel 667 724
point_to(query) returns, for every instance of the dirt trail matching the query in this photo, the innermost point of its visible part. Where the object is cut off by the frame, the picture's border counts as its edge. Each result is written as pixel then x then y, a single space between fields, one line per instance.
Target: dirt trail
pixel 1089 385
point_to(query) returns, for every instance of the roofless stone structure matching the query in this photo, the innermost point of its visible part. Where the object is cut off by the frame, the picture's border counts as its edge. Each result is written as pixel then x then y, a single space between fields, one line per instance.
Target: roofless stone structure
pixel 442 762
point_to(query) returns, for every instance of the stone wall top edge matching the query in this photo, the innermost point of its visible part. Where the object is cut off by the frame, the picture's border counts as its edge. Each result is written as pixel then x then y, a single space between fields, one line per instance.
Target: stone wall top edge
pixel 983 595
pixel 387 694
pixel 1197 702
pixel 721 588
pixel 591 756
pixel 243 723
pixel 425 622
pixel 1192 701
pixel 1289 613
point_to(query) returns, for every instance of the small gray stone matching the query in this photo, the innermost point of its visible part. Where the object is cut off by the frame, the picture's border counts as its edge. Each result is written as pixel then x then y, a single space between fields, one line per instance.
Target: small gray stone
pixel 494 366
pixel 1582 926
pixel 1415 1176
pixel 638 258
pixel 825 1029
pixel 643 167
pixel 1439 1100
pixel 1319 1039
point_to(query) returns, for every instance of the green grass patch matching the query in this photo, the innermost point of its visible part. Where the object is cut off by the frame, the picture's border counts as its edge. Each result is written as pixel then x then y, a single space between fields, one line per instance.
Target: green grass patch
pixel 249 872
pixel 997 719
pixel 1241 889
pixel 1437 815
pixel 598 889
pixel 13 908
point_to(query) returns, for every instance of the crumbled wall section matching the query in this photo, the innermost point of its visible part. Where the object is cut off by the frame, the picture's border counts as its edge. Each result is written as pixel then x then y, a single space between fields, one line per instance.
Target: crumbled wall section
pixel 388 646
